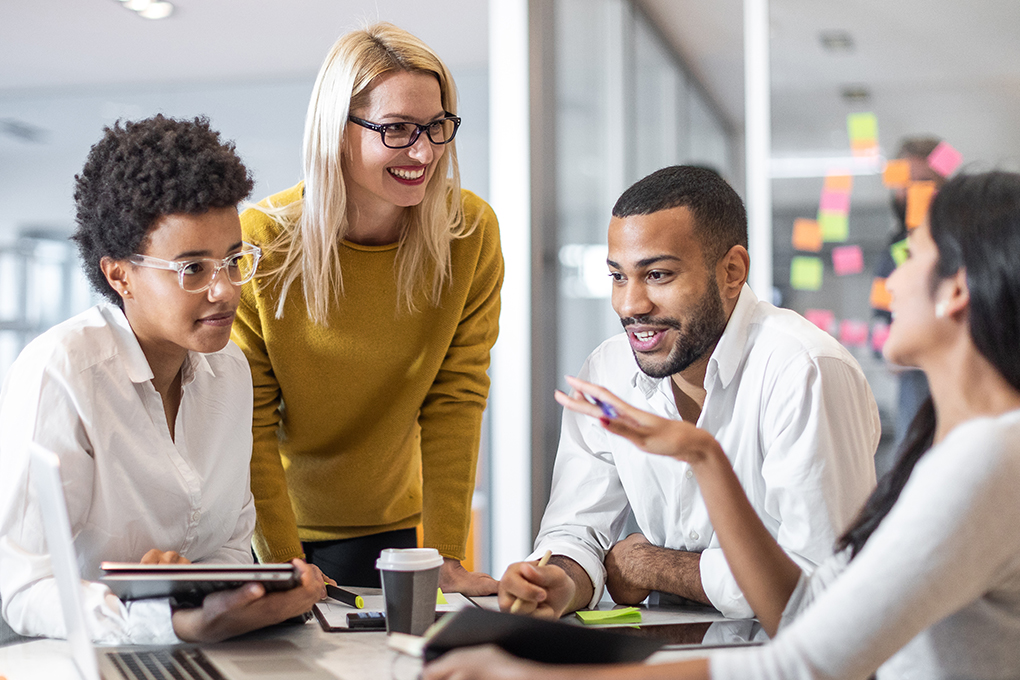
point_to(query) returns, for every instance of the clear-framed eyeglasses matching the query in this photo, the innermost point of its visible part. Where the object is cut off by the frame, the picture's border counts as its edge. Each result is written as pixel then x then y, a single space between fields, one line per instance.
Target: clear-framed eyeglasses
pixel 405 134
pixel 197 276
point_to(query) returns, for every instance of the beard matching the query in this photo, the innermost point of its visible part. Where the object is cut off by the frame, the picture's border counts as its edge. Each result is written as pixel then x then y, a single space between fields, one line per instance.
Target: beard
pixel 695 335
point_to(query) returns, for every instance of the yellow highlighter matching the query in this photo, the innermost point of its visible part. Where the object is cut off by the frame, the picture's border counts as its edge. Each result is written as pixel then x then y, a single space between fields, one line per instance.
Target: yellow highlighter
pixel 345 596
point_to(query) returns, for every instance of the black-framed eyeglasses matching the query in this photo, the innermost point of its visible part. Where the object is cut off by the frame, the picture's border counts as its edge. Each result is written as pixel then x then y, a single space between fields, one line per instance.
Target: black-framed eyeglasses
pixel 405 134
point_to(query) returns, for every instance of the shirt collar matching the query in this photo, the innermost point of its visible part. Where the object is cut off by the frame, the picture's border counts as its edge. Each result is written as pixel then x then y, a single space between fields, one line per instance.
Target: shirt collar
pixel 137 365
pixel 726 357
pixel 729 351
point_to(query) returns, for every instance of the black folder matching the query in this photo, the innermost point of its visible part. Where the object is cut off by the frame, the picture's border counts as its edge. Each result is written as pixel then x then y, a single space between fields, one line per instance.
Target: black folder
pixel 536 639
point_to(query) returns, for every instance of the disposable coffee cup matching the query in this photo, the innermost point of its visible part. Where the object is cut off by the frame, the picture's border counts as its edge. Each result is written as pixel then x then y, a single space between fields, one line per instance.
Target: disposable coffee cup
pixel 410 579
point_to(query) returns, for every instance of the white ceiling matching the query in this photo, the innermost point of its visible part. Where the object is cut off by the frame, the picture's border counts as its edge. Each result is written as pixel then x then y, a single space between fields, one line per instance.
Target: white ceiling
pixel 933 66
pixel 80 43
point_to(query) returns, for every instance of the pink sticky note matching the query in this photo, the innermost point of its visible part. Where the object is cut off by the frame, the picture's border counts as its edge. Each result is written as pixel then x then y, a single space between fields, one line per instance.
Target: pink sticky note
pixel 944 159
pixel 847 260
pixel 853 333
pixel 835 201
pixel 823 318
pixel 879 334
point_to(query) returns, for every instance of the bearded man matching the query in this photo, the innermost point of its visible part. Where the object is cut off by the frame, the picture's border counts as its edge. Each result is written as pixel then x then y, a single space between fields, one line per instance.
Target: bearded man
pixel 789 405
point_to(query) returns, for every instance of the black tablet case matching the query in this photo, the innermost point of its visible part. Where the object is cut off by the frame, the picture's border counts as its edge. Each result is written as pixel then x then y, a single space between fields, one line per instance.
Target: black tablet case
pixel 536 639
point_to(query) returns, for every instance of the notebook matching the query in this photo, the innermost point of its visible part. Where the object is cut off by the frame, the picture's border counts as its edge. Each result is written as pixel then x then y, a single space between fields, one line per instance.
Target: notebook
pixel 239 660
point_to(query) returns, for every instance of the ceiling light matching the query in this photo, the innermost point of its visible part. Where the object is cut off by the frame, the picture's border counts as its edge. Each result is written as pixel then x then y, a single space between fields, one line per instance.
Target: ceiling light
pixel 821 166
pixel 137 5
pixel 157 10
pixel 856 94
pixel 837 41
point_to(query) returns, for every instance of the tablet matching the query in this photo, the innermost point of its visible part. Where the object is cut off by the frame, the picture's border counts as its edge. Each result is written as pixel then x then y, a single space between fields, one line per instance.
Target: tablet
pixel 188 584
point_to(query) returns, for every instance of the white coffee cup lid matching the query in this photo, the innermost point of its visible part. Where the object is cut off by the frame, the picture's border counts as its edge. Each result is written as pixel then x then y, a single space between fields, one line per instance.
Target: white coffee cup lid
pixel 409 559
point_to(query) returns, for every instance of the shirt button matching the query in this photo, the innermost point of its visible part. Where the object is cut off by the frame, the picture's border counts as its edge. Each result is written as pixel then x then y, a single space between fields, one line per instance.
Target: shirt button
pixel 195 515
pixel 689 473
pixel 694 535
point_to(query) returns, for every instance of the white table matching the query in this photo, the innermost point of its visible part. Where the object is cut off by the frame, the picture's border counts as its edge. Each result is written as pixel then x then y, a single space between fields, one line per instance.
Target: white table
pixel 350 656
pixel 346 655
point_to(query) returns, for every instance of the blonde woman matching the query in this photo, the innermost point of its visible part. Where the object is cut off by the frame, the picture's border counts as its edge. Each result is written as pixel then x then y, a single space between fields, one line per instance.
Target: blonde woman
pixel 369 326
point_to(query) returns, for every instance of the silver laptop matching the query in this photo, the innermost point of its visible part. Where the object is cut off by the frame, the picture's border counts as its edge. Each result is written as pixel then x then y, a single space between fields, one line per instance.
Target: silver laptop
pixel 241 660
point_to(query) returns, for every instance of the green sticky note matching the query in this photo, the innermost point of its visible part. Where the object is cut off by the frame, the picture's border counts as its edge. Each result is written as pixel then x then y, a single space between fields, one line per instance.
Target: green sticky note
pixel 862 127
pixel 440 598
pixel 806 272
pixel 898 251
pixel 622 615
pixel 835 226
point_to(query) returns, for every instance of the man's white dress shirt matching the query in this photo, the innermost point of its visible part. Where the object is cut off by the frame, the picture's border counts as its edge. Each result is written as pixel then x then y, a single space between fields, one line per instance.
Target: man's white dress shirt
pixel 933 594
pixel 791 409
pixel 84 390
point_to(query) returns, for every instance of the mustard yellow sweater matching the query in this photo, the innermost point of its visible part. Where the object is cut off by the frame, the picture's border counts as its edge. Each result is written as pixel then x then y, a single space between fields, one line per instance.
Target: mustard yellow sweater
pixel 372 422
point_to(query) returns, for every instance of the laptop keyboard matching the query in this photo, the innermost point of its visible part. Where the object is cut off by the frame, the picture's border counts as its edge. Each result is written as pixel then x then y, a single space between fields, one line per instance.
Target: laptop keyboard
pixel 165 664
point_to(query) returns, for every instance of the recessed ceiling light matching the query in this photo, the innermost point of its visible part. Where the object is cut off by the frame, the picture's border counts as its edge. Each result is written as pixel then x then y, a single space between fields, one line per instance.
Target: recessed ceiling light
pixel 856 94
pixel 137 5
pixel 837 41
pixel 157 10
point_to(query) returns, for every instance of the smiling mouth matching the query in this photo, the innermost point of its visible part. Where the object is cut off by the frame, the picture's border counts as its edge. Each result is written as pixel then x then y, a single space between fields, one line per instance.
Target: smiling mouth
pixel 646 340
pixel 407 174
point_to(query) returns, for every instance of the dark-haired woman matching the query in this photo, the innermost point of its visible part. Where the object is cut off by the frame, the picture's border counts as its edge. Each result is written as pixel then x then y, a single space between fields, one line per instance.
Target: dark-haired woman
pixel 926 582
pixel 143 398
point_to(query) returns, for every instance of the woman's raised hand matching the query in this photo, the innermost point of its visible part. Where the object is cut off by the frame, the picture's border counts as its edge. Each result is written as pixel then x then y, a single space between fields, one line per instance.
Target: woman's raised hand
pixel 662 436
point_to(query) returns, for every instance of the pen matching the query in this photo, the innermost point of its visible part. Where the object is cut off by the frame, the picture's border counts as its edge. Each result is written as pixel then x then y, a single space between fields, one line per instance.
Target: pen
pixel 542 562
pixel 607 409
pixel 345 596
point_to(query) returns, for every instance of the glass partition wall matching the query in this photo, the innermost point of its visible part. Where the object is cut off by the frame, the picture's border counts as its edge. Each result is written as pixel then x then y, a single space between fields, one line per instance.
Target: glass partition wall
pixel 624 107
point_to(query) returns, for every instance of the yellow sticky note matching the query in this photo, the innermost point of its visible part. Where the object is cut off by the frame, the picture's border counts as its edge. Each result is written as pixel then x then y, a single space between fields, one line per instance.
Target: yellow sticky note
pixel 896 174
pixel 807 235
pixel 806 272
pixel 621 615
pixel 919 195
pixel 862 127
pixel 880 297
pixel 843 183
pixel 835 226
pixel 440 598
pixel 898 251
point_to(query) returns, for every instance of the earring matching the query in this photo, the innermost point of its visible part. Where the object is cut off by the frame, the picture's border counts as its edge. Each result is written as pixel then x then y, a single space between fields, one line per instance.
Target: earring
pixel 940 309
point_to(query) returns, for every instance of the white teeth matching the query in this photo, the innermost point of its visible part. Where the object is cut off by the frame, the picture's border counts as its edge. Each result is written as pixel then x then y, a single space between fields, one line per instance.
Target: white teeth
pixel 408 174
pixel 644 336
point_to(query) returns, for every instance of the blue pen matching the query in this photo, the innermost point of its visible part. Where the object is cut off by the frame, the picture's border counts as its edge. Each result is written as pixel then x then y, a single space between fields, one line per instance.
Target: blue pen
pixel 608 410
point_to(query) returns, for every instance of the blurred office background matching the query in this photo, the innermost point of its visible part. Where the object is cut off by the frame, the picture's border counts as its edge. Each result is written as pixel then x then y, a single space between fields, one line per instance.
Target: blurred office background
pixel 565 103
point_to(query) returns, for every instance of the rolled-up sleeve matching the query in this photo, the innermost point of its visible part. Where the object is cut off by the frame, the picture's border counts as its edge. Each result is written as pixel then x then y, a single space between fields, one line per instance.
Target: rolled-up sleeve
pixel 588 504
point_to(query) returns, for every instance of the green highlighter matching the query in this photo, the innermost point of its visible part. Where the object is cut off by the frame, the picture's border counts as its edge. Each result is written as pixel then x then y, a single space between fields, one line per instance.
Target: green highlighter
pixel 621 615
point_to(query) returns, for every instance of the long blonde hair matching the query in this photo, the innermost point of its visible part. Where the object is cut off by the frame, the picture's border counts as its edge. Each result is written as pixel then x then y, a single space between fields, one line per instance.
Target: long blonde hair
pixel 313 228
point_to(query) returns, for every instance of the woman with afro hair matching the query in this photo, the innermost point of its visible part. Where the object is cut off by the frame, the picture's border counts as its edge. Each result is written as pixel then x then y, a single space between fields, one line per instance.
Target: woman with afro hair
pixel 143 397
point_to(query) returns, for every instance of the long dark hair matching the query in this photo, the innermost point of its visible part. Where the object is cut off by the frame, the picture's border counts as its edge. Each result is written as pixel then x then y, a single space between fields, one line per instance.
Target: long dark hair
pixel 975 223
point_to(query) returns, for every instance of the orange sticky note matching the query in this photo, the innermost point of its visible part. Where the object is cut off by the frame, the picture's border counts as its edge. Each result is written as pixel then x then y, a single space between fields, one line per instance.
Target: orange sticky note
pixel 807 235
pixel 896 174
pixel 919 195
pixel 880 297
pixel 864 147
pixel 843 183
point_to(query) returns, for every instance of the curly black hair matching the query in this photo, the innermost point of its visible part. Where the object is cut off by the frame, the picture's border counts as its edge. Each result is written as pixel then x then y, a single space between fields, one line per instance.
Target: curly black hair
pixel 146 170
